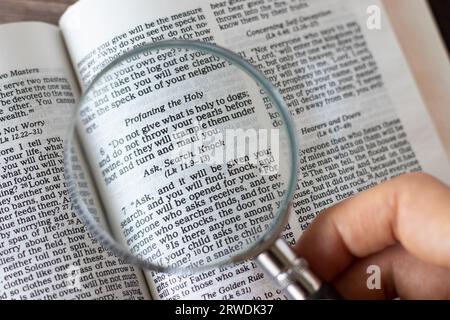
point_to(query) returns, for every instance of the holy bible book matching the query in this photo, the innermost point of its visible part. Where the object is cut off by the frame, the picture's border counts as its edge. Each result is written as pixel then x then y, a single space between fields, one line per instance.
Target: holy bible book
pixel 362 117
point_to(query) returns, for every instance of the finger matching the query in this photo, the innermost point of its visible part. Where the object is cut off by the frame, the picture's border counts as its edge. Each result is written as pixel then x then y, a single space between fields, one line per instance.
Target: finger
pixel 413 209
pixel 393 273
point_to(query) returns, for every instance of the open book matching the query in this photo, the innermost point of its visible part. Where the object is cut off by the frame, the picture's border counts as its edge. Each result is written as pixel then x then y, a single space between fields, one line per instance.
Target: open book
pixel 361 120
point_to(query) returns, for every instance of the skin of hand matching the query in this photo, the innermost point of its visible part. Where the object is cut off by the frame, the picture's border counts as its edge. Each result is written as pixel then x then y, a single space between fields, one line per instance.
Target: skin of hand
pixel 401 226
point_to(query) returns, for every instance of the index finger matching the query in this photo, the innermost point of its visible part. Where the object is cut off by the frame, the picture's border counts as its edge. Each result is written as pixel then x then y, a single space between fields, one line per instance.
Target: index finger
pixel 412 209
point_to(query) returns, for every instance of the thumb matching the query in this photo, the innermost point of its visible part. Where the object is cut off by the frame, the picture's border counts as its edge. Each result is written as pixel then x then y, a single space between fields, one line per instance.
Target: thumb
pixel 413 210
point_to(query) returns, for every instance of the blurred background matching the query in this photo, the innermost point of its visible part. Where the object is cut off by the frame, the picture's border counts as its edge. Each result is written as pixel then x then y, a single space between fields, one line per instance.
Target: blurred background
pixel 441 11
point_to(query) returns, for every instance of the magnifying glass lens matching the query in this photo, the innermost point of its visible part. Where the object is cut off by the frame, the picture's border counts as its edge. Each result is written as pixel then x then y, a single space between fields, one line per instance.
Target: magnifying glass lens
pixel 180 158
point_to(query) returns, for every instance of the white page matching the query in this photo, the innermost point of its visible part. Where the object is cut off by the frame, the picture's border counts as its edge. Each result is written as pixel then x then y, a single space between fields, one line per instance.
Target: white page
pixel 392 108
pixel 45 251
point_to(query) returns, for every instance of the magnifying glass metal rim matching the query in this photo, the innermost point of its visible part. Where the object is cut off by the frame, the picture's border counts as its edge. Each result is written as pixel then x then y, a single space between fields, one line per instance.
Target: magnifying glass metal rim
pixel 269 236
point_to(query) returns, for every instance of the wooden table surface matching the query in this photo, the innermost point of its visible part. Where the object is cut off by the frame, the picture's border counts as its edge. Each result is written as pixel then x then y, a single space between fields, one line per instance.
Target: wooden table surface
pixel 37 10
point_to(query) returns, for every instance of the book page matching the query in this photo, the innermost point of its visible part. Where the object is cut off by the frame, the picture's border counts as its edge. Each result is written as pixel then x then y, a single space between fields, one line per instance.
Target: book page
pixel 45 251
pixel 359 115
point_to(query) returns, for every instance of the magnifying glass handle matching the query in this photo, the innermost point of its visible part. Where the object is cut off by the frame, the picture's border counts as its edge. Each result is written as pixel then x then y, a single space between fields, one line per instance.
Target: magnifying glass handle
pixel 293 275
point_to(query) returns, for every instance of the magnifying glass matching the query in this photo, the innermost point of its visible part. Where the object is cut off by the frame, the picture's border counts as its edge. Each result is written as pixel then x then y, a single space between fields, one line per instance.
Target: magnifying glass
pixel 182 156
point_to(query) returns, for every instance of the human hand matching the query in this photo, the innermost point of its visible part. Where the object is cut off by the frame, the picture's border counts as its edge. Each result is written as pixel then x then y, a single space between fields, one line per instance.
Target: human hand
pixel 402 226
